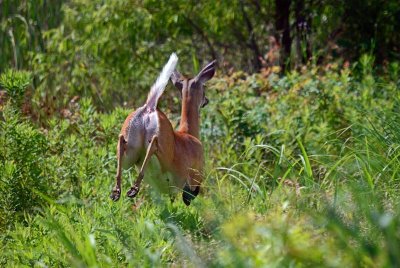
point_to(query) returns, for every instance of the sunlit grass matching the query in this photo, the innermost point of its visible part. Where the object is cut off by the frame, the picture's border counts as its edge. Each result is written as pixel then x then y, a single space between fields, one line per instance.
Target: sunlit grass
pixel 284 186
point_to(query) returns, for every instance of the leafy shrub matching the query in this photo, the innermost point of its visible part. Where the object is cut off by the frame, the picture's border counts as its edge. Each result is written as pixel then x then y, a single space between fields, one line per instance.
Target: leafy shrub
pixel 22 152
pixel 15 84
pixel 23 171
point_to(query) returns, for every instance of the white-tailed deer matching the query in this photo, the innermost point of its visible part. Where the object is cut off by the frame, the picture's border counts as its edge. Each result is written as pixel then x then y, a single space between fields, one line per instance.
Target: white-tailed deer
pixel 148 131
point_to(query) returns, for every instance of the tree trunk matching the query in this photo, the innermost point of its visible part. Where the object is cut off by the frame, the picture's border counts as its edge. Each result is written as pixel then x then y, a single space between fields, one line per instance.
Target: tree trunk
pixel 252 42
pixel 282 13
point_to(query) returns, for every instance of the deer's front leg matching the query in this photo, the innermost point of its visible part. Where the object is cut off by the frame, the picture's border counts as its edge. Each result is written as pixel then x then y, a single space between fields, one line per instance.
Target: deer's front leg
pixel 151 149
pixel 116 192
pixel 192 187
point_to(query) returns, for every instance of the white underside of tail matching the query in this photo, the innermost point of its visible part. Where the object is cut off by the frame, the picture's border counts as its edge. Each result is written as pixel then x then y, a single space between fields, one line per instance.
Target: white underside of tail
pixel 159 86
pixel 145 123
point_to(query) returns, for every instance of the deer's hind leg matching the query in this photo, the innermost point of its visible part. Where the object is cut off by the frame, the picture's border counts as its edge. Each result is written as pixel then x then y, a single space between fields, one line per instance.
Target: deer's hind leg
pixel 121 147
pixel 151 149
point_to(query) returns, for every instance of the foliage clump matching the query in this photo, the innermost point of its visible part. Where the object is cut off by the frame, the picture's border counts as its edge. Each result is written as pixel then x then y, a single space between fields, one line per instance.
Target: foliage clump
pixel 23 153
pixel 15 84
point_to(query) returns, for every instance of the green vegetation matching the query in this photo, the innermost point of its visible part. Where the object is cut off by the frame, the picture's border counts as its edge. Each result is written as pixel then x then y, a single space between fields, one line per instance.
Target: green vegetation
pixel 302 166
pixel 302 170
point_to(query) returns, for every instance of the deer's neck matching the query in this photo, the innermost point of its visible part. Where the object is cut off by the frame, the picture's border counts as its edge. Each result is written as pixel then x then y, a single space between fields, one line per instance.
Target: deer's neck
pixel 190 117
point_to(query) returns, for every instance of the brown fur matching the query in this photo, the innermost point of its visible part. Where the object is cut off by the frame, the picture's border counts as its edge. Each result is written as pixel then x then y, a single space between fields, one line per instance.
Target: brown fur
pixel 179 152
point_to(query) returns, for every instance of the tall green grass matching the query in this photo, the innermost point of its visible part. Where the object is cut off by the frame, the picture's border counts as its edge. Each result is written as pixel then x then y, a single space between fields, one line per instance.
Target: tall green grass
pixel 302 171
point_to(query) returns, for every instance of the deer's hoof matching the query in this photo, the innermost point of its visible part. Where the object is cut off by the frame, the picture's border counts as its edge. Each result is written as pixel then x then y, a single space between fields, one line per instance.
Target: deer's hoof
pixel 188 195
pixel 115 195
pixel 133 191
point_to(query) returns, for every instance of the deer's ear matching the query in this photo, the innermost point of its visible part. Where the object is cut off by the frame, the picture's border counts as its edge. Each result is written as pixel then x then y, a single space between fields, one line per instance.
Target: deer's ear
pixel 206 73
pixel 176 79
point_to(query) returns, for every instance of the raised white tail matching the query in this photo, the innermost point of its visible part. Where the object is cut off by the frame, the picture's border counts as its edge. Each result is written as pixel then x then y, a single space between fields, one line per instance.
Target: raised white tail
pixel 159 86
pixel 148 130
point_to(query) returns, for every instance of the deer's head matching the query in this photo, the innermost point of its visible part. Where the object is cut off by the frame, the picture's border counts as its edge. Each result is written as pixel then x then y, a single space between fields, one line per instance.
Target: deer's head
pixel 192 89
